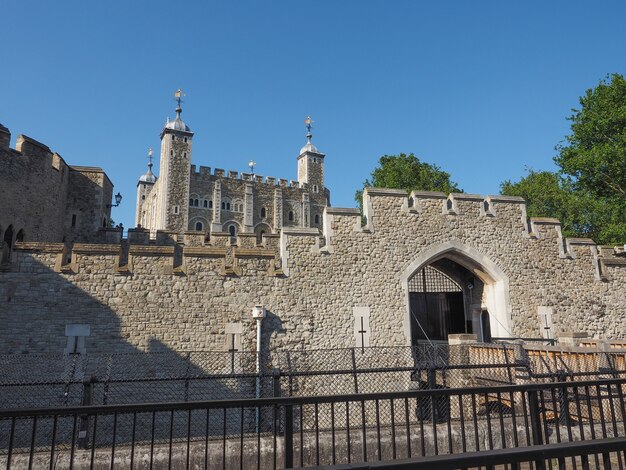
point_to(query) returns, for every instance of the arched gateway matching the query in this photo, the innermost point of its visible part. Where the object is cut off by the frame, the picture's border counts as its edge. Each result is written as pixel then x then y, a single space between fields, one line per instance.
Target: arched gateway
pixel 453 288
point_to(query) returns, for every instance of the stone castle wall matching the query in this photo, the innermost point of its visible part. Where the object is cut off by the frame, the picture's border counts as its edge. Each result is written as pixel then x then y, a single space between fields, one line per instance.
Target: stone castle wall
pixel 40 193
pixel 187 296
pixel 247 192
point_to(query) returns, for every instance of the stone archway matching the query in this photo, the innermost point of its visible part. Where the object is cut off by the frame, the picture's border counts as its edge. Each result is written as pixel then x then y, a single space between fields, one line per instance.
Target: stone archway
pixel 489 277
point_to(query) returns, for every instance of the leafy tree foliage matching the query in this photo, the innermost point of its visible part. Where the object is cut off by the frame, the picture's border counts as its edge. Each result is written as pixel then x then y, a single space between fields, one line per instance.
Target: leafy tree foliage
pixel 548 194
pixel 588 192
pixel 595 153
pixel 409 173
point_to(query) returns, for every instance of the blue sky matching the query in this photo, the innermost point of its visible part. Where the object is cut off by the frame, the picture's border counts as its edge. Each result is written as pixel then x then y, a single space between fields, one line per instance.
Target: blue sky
pixel 481 88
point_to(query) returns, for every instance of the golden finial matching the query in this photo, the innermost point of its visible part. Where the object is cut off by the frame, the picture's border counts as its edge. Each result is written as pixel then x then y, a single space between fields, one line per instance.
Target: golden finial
pixel 178 96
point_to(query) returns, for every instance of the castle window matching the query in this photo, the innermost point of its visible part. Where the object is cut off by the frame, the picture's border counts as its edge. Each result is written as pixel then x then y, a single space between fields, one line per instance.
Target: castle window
pixel 317 219
pixel 143 197
pixel 223 206
pixel 185 139
pixel 196 202
pixel 173 137
pixel 290 216
pixel 259 238
pixel 74 221
pixel 205 203
pixel 199 226
pixel 232 230
pixel 228 206
pixel 210 204
pixel 315 188
pixel 263 212
pixel 176 209
pixel 104 222
pixel 184 154
pixel 171 153
pixel 190 202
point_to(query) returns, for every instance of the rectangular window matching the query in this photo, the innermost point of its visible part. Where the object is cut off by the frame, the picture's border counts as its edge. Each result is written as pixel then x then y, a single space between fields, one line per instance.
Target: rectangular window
pixel 73 220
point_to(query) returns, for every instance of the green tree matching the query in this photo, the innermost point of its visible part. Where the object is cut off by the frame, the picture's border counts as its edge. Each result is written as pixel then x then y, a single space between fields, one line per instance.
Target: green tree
pixel 594 155
pixel 549 194
pixel 409 173
pixel 588 192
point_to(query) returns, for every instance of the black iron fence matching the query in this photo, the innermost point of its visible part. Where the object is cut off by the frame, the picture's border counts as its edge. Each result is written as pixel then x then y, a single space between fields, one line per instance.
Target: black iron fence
pixel 29 381
pixel 331 430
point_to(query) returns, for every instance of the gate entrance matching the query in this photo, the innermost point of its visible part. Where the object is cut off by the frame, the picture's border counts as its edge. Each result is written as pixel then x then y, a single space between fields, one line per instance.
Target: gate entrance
pixel 437 304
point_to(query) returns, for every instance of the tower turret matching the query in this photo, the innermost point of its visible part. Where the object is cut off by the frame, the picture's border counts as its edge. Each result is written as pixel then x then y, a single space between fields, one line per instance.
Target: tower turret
pixel 174 172
pixel 144 188
pixel 311 163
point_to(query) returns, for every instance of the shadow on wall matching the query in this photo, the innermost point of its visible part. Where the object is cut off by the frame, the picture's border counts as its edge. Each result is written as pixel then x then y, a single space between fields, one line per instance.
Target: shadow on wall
pixel 41 366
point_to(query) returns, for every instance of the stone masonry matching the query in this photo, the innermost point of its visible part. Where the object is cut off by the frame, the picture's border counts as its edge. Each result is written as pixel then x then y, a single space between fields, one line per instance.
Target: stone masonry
pixel 185 292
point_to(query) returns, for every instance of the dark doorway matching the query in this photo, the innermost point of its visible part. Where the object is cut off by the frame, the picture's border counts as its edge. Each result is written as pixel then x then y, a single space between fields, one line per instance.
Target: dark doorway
pixel 436 315
pixel 437 306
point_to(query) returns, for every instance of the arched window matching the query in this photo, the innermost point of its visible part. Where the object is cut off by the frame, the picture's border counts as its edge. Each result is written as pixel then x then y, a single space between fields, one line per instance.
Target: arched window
pixel 199 226
pixel 259 238
pixel 191 202
pixel 196 202
pixel 263 212
pixel 210 204
pixel 290 216
pixel 205 203
pixel 317 219
pixel 232 230
pixel 223 206
pixel 104 221
pixel 228 206
pixel 20 236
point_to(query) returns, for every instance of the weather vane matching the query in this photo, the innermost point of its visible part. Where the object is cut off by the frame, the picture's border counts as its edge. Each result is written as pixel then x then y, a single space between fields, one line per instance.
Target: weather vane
pixel 150 157
pixel 178 96
pixel 251 164
pixel 308 121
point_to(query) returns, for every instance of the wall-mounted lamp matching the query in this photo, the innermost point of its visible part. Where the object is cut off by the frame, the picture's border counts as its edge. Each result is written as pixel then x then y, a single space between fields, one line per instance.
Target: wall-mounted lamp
pixel 118 200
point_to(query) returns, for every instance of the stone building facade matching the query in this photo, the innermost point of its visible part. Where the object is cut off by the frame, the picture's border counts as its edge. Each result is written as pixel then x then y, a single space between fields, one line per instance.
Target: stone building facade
pixel 353 284
pixel 188 198
pixel 42 198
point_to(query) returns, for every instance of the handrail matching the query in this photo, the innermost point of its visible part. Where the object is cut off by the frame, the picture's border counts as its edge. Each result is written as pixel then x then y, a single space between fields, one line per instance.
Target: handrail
pixel 286 401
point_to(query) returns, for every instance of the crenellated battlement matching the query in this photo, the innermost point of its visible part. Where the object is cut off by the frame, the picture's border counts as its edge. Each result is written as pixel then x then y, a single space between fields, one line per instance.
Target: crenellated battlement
pixel 501 218
pixel 205 171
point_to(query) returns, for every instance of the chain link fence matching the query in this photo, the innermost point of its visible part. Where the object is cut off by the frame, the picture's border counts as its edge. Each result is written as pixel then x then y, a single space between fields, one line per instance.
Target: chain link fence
pixel 47 380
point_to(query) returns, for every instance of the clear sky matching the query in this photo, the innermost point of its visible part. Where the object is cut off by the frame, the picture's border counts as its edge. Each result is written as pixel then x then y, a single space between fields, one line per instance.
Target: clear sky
pixel 480 88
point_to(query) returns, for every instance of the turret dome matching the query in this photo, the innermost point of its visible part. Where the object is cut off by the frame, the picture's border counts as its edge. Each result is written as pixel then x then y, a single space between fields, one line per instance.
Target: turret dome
pixel 309 147
pixel 177 124
pixel 148 177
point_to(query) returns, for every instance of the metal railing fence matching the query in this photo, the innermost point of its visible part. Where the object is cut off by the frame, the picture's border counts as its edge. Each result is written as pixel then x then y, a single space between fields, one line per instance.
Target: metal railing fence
pixel 323 430
pixel 71 380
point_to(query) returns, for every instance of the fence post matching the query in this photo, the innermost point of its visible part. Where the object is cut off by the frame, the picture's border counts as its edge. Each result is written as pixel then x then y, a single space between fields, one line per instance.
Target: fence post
pixel 354 374
pixel 535 423
pixel 289 436
pixel 83 428
pixel 432 385
pixel 276 392
pixel 564 416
